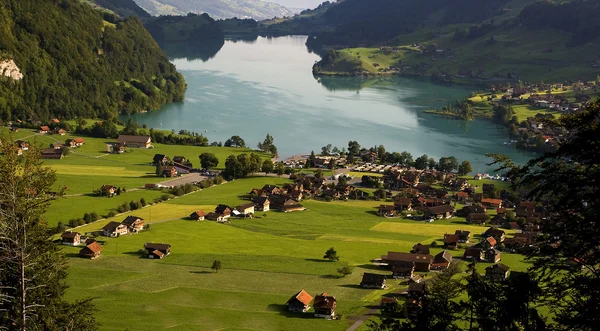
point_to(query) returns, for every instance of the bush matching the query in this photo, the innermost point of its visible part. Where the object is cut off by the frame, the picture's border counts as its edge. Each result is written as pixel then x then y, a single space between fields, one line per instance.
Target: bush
pixel 80 222
pixel 123 208
pixel 72 223
pixel 143 202
pixel 165 197
pixel 111 213
pixel 134 205
pixel 434 244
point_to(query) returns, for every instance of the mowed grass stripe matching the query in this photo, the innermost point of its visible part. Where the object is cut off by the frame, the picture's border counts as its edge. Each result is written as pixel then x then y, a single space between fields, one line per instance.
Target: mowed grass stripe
pixel 427 229
pixel 87 170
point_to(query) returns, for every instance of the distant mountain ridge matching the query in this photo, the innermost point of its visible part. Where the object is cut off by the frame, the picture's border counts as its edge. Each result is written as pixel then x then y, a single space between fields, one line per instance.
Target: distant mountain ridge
pixel 256 9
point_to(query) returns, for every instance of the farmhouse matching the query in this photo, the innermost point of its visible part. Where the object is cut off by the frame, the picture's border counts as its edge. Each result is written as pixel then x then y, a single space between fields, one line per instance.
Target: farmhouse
pixel 51 153
pixel 497 272
pixel 108 190
pixel 403 204
pixel 44 129
pixel 373 281
pixel 159 159
pixel 443 211
pixel 422 262
pixel 450 241
pixel 133 223
pixel 157 251
pixel 61 132
pixel 477 218
pixel 492 203
pixel 474 253
pixel 271 189
pixel 490 242
pixel 403 269
pixel 420 249
pixel 492 255
pixel 417 290
pixel 115 148
pixel 441 261
pixel 220 218
pixel 299 302
pixel 135 141
pixel 463 236
pixel 91 251
pixel 114 229
pixel 198 215
pixel 498 234
pixel 56 145
pixel 284 204
pixel 261 203
pixel 169 171
pixel 245 209
pixel 77 142
pixel 223 210
pixel 387 211
pixel 71 238
pixel 324 305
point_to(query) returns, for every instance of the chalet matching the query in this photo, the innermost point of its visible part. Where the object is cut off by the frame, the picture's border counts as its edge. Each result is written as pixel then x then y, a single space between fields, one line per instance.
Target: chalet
pixel 135 141
pixel 157 251
pixel 159 159
pixel 473 209
pixel 498 220
pixel 441 261
pixel 403 269
pixel 490 242
pixel 293 187
pixel 373 281
pixel 61 132
pixel 285 204
pixel 108 190
pixel 51 153
pixel 114 229
pixel 324 305
pixel 439 212
pixel 299 302
pixel 498 234
pixel 420 249
pixel 198 215
pixel 56 145
pixel 451 241
pixel 474 253
pixel 55 121
pixel 169 171
pixel 219 218
pixel 387 211
pixel 261 203
pixel 516 242
pixel 115 148
pixel 296 195
pixel 463 236
pixel 71 238
pixel 492 203
pixel 416 290
pixel 492 255
pixel 415 279
pixel 462 197
pixel 497 272
pixel 477 218
pixel 77 142
pixel 422 261
pixel 223 210
pixel 133 223
pixel 403 204
pixel 257 193
pixel 246 209
pixel 44 129
pixel 91 250
pixel 271 189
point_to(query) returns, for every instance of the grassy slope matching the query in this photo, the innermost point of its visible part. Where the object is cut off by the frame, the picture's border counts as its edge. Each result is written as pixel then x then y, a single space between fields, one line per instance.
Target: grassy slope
pixel 265 260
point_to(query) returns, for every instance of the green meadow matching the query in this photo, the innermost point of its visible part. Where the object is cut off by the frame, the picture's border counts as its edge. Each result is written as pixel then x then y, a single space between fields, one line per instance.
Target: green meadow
pixel 265 260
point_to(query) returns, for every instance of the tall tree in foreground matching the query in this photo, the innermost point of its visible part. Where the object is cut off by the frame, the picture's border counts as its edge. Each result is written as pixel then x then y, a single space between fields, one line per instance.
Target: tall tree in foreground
pixel 32 268
pixel 569 181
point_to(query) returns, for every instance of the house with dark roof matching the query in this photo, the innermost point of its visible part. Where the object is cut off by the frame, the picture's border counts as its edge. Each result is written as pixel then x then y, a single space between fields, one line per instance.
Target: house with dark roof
pixel 157 251
pixel 70 238
pixel 403 204
pixel 373 281
pixel 439 212
pixel 261 203
pixel 169 171
pixel 299 302
pixel 159 159
pixel 387 211
pixel 492 203
pixel 135 141
pixel 422 262
pixel 498 234
pixel 108 190
pixel 219 218
pixel 450 241
pixel 420 249
pixel 133 223
pixel 114 229
pixel 51 153
pixel 91 250
pixel 223 210
pixel 246 209
pixel 492 255
pixel 417 290
pixel 477 218
pixel 198 215
pixel 463 236
pixel 403 269
pixel 284 204
pixel 497 272
pixel 324 306
pixel 474 253
pixel 441 261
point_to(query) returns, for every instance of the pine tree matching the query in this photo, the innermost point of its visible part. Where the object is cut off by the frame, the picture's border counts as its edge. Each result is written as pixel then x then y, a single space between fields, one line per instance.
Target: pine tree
pixel 32 268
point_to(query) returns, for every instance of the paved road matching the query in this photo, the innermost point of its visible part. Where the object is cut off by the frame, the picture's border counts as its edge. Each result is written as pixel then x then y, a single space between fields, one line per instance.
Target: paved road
pixel 363 318
pixel 189 178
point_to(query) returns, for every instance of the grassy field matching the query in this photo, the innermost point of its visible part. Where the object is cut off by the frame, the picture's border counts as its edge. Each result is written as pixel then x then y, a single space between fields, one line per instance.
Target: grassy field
pixel 265 260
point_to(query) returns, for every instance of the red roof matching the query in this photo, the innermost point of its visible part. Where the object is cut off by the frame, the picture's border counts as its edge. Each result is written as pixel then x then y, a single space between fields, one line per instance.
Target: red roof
pixel 79 140
pixel 94 247
pixel 45 128
pixel 491 241
pixel 304 297
pixel 492 201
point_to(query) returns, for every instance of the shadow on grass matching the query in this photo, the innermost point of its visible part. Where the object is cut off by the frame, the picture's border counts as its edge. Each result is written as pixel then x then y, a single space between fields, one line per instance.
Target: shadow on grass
pixel 317 260
pixel 72 255
pixel 330 276
pixel 283 310
pixel 354 286
pixel 373 212
pixel 203 272
pixel 136 253
pixel 370 267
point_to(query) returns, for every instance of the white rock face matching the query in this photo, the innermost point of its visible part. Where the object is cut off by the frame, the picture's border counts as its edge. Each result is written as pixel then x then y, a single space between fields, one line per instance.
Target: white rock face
pixel 8 68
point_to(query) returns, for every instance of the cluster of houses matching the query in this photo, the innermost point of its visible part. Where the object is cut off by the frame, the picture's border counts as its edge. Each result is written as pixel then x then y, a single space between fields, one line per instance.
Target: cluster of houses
pixel 124 141
pixel 179 165
pixel 284 199
pixel 92 248
pixel 324 304
pixel 223 213
pixel 131 224
pixel 56 149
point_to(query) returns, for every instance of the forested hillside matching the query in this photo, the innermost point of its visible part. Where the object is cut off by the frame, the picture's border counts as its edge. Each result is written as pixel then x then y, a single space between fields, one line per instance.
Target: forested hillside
pixel 75 64
pixel 191 27
pixel 256 9
pixel 124 8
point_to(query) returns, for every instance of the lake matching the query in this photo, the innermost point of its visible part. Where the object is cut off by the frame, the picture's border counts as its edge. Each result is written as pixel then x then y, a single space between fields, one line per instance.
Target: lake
pixel 251 88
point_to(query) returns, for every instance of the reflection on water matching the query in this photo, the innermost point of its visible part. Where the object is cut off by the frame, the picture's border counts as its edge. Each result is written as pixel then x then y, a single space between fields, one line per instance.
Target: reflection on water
pixel 267 86
pixel 204 50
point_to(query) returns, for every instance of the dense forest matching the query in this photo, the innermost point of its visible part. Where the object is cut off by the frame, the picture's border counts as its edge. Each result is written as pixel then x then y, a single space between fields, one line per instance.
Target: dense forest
pixel 75 64
pixel 191 27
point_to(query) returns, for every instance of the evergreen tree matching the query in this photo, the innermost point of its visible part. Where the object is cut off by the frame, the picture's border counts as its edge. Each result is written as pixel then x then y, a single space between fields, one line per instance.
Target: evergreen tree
pixel 32 268
pixel 331 255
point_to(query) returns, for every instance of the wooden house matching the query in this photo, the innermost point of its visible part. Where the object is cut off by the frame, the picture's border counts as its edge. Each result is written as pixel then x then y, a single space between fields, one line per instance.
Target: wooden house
pixel 157 251
pixel 135 141
pixel 159 159
pixel 114 229
pixel 417 290
pixel 492 255
pixel 284 204
pixel 219 218
pixel 223 210
pixel 44 129
pixel 198 215
pixel 133 223
pixel 373 281
pixel 271 189
pixel 422 261
pixel 474 253
pixel 403 204
pixel 51 153
pixel 463 236
pixel 246 209
pixel 261 203
pixel 492 203
pixel 91 250
pixel 490 242
pixel 61 132
pixel 497 272
pixel 56 145
pixel 451 241
pixel 387 211
pixel 169 171
pixel 420 249
pixel 71 238
pixel 115 148
pixel 441 261
pixel 403 269
pixel 439 212
pixel 498 234
pixel 477 218
pixel 299 302
pixel 324 306
pixel 108 190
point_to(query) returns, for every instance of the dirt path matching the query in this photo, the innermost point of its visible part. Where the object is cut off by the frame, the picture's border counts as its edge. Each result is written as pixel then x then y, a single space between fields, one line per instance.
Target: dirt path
pixel 363 318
